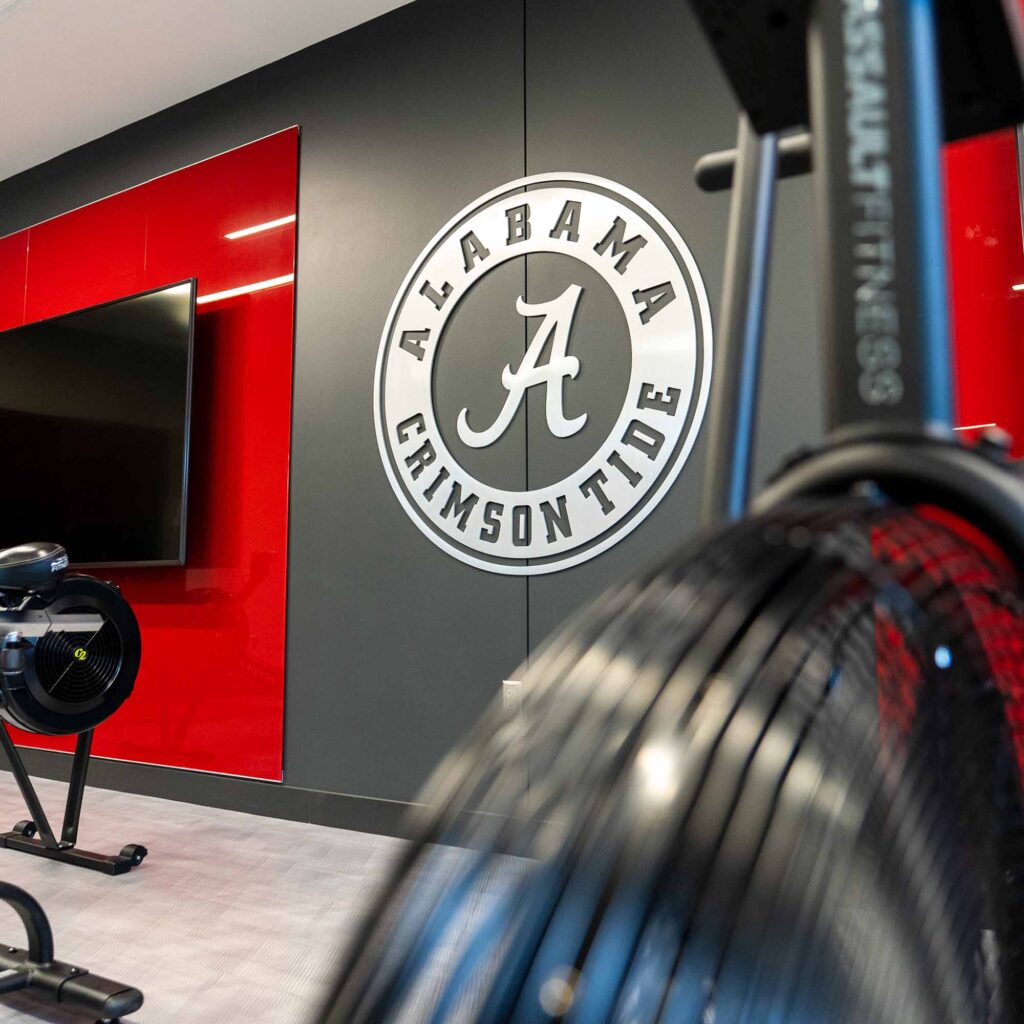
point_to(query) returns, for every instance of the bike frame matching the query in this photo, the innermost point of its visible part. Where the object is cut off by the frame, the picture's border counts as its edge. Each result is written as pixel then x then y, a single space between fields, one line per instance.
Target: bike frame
pixel 875 111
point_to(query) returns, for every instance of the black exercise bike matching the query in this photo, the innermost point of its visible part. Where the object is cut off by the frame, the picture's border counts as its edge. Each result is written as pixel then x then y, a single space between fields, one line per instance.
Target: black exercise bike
pixel 776 778
pixel 69 653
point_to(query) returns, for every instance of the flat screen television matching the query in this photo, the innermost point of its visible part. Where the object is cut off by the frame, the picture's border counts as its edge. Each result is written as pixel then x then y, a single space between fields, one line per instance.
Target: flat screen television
pixel 94 413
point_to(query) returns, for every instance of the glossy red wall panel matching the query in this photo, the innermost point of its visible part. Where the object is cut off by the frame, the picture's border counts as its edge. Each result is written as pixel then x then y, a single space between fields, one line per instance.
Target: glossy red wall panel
pixel 210 694
pixel 986 247
pixel 987 260
pixel 13 267
pixel 88 256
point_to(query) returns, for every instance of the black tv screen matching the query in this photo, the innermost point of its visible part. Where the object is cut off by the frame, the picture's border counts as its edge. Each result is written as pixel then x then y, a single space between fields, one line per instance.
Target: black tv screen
pixel 94 412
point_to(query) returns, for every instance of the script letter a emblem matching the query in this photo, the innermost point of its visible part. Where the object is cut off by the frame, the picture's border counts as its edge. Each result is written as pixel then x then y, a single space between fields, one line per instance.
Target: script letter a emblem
pixel 558 317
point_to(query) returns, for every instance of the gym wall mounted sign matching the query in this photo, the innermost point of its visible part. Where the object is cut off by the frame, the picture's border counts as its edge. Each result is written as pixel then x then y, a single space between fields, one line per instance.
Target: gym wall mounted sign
pixel 609 279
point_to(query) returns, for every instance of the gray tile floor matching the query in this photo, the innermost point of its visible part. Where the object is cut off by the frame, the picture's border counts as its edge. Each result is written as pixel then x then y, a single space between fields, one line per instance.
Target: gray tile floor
pixel 233 918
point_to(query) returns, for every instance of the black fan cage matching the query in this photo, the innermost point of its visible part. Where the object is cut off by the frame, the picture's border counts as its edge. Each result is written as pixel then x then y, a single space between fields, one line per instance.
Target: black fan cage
pixel 77 668
pixel 775 780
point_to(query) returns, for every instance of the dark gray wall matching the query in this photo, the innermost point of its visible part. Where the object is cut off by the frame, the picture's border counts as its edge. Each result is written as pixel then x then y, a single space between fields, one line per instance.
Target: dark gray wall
pixel 393 646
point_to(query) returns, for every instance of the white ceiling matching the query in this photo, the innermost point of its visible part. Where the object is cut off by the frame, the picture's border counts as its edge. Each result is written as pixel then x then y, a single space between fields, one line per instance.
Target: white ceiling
pixel 73 70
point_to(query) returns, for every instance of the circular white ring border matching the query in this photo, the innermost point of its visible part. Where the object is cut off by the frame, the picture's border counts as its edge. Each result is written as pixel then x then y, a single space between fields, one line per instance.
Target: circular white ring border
pixel 655 498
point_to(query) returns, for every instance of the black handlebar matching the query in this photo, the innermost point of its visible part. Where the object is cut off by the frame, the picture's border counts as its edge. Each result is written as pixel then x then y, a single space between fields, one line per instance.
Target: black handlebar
pixel 714 172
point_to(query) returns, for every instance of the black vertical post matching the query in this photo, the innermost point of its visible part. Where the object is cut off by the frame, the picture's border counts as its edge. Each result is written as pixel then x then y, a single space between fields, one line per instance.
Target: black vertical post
pixel 738 352
pixel 76 787
pixel 877 130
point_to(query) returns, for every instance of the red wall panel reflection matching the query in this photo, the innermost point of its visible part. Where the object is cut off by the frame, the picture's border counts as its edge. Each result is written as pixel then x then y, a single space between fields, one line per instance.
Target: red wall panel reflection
pixel 210 695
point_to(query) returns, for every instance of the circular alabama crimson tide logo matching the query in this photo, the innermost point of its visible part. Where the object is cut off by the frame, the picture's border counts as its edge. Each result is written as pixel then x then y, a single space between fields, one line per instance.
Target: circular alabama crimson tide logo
pixel 608 250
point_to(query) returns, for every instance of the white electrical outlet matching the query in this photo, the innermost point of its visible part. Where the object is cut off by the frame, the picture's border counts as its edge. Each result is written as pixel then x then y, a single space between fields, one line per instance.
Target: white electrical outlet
pixel 512 696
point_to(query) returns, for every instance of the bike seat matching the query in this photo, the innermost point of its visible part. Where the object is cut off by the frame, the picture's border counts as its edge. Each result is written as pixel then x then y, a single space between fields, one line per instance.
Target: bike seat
pixel 34 566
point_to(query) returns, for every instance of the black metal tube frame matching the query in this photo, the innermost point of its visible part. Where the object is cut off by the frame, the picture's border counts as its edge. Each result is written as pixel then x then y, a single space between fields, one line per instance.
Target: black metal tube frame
pixel 737 371
pixel 76 790
pixel 47 844
pixel 876 127
pixel 881 229
pixel 36 973
pixel 33 917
